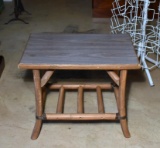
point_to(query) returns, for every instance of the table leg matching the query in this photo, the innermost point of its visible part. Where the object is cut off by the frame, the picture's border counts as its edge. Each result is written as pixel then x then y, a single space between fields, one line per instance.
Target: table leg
pixel 39 102
pixel 122 104
pixel 44 95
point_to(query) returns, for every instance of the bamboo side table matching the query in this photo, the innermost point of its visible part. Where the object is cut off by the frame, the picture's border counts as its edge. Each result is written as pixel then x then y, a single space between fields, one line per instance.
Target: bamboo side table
pixel 51 52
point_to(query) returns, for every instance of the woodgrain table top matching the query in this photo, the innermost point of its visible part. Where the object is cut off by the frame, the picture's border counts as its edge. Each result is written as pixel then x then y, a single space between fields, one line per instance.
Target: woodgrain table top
pixel 79 51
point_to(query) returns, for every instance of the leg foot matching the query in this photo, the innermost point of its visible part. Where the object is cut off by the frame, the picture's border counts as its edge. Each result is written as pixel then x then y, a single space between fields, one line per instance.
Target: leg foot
pixel 36 130
pixel 124 127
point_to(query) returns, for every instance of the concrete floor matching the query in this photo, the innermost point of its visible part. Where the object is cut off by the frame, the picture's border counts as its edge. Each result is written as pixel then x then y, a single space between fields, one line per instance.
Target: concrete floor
pixel 17 104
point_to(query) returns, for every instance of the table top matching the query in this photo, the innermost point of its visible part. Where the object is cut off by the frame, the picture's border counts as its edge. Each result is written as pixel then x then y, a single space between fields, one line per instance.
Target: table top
pixel 79 51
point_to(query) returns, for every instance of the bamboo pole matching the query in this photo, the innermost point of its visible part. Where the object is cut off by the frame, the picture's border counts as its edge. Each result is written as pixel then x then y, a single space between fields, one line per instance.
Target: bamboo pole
pixel 114 76
pixel 44 95
pixel 108 116
pixel 100 100
pixel 39 104
pixel 84 86
pixel 60 103
pixel 122 103
pixel 116 93
pixel 46 77
pixel 80 104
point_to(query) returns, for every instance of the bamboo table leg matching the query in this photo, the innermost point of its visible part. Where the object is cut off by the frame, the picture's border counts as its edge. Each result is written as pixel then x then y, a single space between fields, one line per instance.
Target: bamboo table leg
pixel 122 104
pixel 39 101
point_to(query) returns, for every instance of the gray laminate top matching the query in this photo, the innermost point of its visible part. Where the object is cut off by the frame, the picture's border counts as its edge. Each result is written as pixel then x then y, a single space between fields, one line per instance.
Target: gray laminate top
pixel 79 51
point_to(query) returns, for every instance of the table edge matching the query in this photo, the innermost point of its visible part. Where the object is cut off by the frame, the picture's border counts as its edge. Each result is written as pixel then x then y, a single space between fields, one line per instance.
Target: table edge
pixel 81 67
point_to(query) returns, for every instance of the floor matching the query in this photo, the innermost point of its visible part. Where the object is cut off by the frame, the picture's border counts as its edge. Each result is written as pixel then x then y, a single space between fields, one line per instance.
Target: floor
pixel 17 109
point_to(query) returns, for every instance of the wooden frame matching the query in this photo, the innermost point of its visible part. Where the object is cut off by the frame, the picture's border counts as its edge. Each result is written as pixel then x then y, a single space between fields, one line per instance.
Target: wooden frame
pixel 118 87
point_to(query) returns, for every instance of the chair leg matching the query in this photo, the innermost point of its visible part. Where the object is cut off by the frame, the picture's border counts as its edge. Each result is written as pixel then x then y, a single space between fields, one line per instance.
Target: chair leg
pixel 39 103
pixel 122 103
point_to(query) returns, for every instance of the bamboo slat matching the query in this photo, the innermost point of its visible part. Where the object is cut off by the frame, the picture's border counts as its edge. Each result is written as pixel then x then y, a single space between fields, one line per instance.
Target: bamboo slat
pixel 100 100
pixel 108 116
pixel 80 104
pixel 60 103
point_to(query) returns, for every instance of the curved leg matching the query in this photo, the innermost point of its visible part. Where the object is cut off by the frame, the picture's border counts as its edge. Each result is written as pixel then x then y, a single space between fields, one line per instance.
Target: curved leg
pixel 124 127
pixel 122 104
pixel 39 101
pixel 37 129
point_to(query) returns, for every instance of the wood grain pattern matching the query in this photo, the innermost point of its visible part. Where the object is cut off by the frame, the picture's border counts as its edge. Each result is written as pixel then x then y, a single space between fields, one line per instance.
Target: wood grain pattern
pixel 68 51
